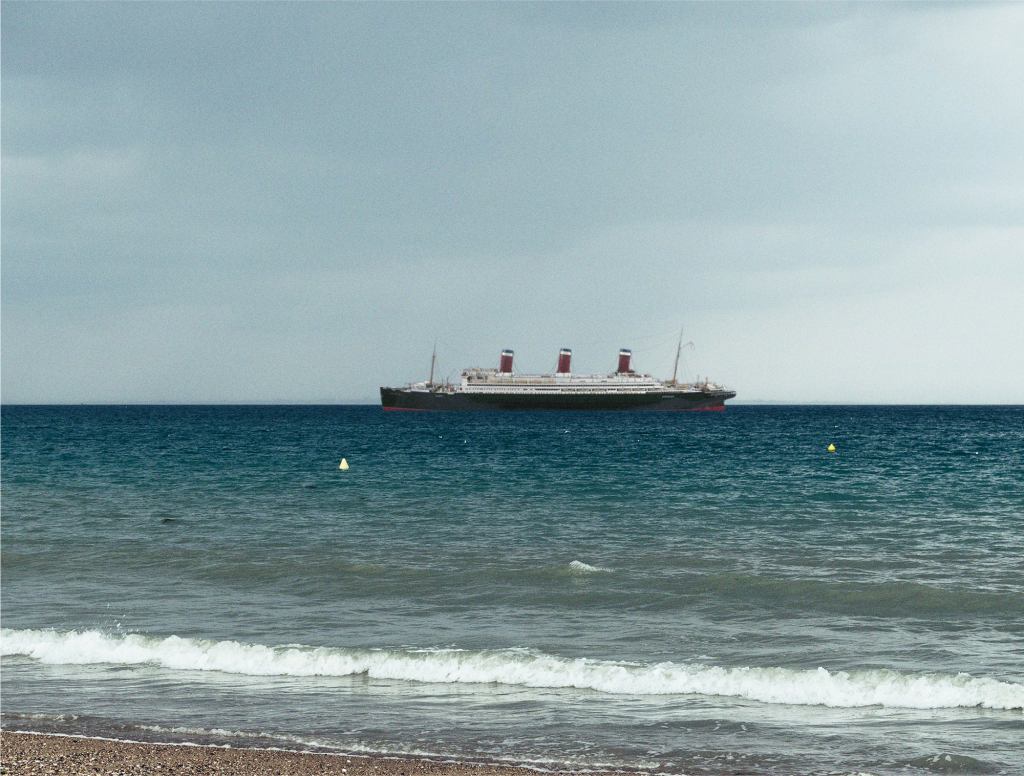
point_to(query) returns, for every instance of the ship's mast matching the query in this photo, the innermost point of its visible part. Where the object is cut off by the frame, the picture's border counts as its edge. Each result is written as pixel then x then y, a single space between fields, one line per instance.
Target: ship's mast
pixel 433 362
pixel 679 349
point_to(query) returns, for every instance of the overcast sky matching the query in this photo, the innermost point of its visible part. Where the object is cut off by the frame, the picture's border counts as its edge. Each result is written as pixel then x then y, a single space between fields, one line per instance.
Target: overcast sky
pixel 291 202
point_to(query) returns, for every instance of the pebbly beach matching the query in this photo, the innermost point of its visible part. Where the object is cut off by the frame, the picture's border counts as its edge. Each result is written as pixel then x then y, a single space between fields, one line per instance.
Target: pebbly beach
pixel 38 754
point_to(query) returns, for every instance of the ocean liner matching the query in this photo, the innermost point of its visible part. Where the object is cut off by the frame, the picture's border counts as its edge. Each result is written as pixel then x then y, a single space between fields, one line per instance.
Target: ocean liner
pixel 504 389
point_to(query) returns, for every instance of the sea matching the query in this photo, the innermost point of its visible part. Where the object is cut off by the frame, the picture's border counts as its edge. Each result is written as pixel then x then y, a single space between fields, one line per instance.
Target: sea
pixel 692 593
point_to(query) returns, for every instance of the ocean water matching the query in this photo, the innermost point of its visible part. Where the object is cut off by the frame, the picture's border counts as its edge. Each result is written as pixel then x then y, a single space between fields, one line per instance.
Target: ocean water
pixel 707 593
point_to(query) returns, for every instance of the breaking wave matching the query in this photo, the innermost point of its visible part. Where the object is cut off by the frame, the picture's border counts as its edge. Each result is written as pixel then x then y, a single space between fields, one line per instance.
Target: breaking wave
pixel 521 667
pixel 579 567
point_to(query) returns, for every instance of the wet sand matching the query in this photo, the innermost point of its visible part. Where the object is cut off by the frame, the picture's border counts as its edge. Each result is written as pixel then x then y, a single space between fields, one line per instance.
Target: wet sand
pixel 29 753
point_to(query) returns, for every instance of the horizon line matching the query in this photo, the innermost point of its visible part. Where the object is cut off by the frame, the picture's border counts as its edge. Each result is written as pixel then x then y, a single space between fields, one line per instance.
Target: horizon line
pixel 326 403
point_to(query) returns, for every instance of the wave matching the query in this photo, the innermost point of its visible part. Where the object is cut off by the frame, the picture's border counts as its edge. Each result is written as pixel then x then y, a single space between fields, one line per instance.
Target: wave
pixel 952 763
pixel 579 567
pixel 522 667
pixel 902 598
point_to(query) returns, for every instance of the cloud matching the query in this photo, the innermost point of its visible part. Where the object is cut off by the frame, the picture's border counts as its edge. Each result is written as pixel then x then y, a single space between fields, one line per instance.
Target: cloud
pixel 293 190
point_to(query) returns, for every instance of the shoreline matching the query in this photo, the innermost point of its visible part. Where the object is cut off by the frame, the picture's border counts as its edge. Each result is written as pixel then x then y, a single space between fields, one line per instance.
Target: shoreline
pixel 27 753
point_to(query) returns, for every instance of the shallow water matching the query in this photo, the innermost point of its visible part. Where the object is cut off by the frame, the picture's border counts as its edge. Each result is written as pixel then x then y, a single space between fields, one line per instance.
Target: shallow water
pixel 697 593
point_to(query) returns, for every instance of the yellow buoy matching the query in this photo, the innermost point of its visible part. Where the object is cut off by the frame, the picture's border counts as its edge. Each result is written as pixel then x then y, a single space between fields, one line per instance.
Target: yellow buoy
pixel 343 465
pixel 831 448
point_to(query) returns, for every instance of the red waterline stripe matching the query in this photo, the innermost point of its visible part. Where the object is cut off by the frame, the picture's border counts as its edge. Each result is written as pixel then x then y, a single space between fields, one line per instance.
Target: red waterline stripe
pixel 405 409
pixel 719 408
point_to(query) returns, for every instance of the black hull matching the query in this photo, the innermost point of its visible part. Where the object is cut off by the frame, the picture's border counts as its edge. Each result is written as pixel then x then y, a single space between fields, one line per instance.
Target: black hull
pixel 668 401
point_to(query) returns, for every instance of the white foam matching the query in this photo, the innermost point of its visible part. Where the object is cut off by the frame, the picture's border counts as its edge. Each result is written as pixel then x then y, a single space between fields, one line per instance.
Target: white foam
pixel 522 667
pixel 580 567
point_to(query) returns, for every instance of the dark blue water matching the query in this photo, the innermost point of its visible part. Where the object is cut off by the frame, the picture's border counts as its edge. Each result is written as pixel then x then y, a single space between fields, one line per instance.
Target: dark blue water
pixel 698 593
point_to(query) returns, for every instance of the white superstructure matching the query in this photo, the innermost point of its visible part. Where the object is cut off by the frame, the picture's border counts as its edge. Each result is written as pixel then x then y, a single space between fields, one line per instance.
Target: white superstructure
pixel 492 381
